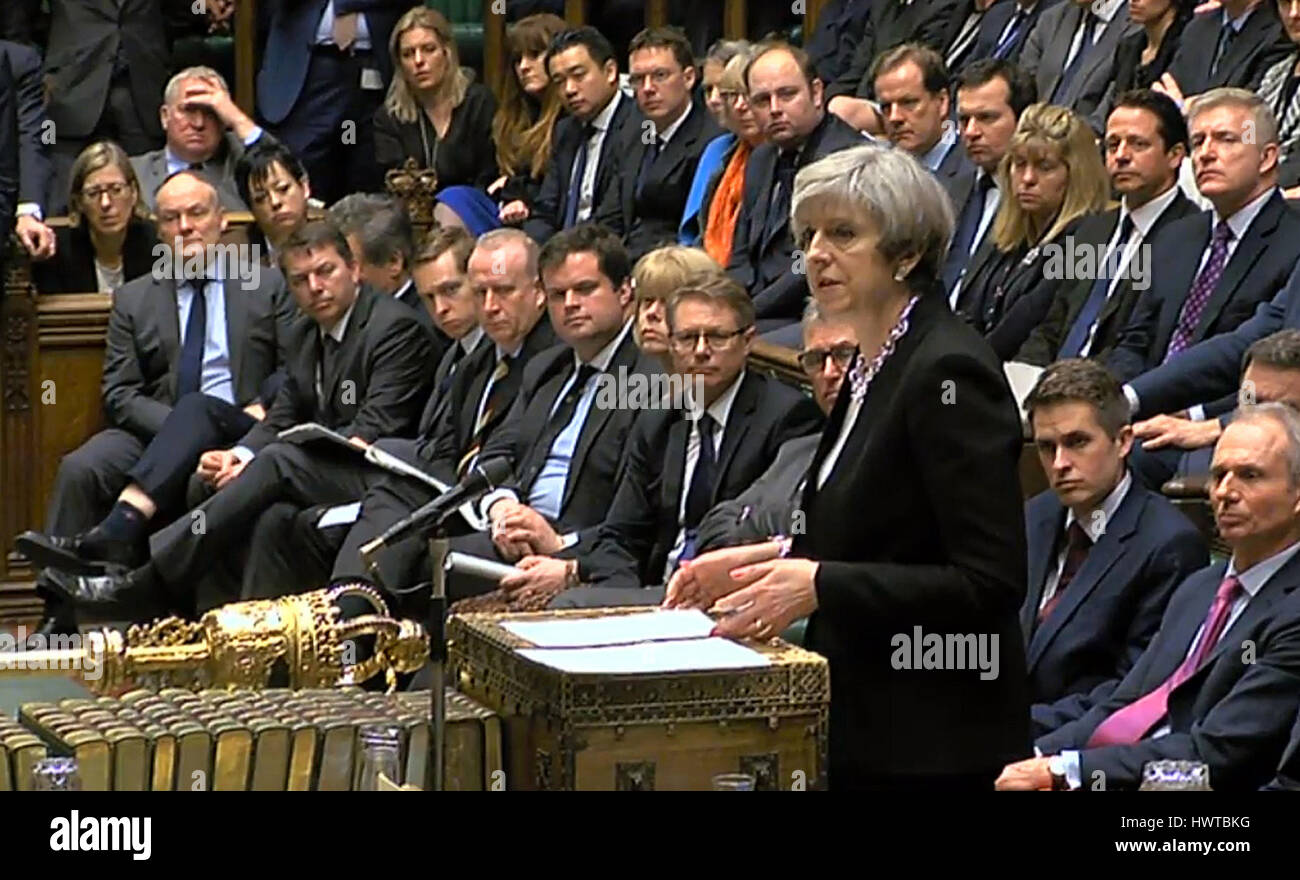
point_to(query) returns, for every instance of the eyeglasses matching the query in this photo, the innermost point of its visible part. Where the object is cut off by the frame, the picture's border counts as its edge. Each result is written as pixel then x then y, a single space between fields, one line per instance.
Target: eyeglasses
pixel 658 77
pixel 814 359
pixel 687 340
pixel 114 190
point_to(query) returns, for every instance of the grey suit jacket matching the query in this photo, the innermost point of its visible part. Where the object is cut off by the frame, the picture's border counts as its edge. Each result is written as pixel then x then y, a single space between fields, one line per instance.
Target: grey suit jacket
pixel 144 345
pixel 766 508
pixel 1048 46
pixel 151 169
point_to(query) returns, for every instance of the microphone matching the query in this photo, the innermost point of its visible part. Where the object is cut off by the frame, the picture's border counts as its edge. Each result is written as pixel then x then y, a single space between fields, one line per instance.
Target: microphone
pixel 481 479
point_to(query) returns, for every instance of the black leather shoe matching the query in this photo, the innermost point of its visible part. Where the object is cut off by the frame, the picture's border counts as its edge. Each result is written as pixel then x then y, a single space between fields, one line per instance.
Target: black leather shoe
pixel 115 592
pixel 54 625
pixel 76 554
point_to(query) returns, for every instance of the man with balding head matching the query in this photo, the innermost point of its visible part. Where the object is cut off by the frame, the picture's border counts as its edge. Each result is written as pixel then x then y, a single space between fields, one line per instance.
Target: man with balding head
pixel 218 333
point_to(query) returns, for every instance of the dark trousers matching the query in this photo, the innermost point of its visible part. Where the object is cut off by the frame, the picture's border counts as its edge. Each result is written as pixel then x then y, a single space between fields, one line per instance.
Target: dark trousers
pixel 120 121
pixel 198 423
pixel 289 553
pixel 194 543
pixel 331 126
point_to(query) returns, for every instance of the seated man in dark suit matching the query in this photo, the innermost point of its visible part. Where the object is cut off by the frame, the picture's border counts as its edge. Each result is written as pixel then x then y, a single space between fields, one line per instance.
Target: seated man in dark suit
pixel 379 232
pixel 512 313
pixel 359 364
pixel 912 89
pixel 1071 51
pixel 1248 243
pixel 889 23
pixel 563 438
pixel 1105 554
pixel 654 165
pixel 1217 683
pixel 197 110
pixel 769 506
pixel 1231 45
pixel 1178 446
pixel 680 461
pixel 1004 31
pixel 582 66
pixel 161 350
pixel 786 97
pixel 991 95
pixel 1146 141
pixel 834 40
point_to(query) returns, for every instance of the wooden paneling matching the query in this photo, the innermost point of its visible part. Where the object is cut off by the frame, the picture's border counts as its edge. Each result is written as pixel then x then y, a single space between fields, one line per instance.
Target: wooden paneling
pixel 495 63
pixel 734 20
pixel 246 55
pixel 812 12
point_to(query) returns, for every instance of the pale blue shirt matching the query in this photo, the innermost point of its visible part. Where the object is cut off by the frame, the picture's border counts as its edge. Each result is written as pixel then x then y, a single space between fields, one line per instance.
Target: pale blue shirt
pixel 936 154
pixel 547 494
pixel 175 163
pixel 325 30
pixel 216 379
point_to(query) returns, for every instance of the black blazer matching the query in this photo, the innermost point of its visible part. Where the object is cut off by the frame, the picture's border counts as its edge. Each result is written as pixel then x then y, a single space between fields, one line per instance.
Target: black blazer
pixel 380 378
pixel 651 220
pixel 766 508
pixel 8 151
pixel 762 259
pixel 1113 607
pixel 921 524
pixel 888 24
pixel 1046 339
pixel 142 351
pixel 1231 715
pixel 440 451
pixel 72 268
pixel 465 157
pixel 1261 44
pixel 835 38
pixel 630 548
pixel 597 464
pixel 1257 269
pixel 1131 73
pixel 995 21
pixel 546 212
pixel 35 170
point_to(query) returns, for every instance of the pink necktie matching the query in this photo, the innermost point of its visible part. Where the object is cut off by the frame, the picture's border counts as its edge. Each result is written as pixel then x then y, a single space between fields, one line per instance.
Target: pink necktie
pixel 1128 725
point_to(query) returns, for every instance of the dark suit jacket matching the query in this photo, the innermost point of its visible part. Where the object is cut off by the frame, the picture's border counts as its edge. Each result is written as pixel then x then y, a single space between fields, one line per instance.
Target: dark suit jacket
pixel 956 173
pixel 651 220
pixel 465 157
pixel 1046 339
pixel 888 24
pixel 151 170
pixel 143 347
pixel 546 214
pixel 995 21
pixel 1112 608
pixel 1257 269
pixel 945 552
pixel 1131 73
pixel 440 452
pixel 835 38
pixel 34 165
pixel 1211 369
pixel 410 297
pixel 1261 44
pixel 72 268
pixel 291 34
pixel 378 383
pixel 1232 715
pixel 85 38
pixel 766 508
pixel 1044 53
pixel 598 459
pixel 630 548
pixel 8 154
pixel 761 259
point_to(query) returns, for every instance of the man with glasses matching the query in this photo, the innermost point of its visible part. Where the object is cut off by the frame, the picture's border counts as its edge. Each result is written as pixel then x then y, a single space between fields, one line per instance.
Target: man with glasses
pixel 654 161
pixel 681 462
pixel 769 506
pixel 786 97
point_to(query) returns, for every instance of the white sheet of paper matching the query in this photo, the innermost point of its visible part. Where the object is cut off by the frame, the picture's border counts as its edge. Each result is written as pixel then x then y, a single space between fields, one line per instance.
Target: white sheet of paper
pixel 619 629
pixel 682 655
pixel 341 515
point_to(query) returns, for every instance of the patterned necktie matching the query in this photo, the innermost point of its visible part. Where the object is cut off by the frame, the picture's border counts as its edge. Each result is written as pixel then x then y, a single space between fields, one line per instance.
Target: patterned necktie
pixel 968 226
pixel 1199 295
pixel 1008 41
pixel 189 373
pixel 1081 330
pixel 565 409
pixel 1077 545
pixel 574 196
pixel 1128 725
pixel 497 397
pixel 700 492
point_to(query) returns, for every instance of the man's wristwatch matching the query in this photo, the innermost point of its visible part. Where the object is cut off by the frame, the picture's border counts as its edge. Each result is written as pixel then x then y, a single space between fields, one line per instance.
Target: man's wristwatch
pixel 571 577
pixel 1056 767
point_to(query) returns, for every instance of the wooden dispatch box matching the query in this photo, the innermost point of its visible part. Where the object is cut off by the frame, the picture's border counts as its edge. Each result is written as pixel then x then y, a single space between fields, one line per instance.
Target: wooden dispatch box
pixel 644 731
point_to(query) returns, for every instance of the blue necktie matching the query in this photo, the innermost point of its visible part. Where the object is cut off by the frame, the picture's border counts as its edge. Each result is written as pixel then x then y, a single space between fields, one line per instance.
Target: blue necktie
pixel 575 185
pixel 1221 47
pixel 967 227
pixel 647 159
pixel 189 373
pixel 1078 335
pixel 1013 33
pixel 1063 84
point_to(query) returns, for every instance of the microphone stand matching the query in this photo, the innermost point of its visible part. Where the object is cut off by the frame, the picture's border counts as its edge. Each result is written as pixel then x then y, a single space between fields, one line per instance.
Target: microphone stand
pixel 439 546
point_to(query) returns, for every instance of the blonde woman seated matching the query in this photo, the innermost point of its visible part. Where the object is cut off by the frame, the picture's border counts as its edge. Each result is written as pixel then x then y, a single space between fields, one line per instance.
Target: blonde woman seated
pixel 655 278
pixel 1052 177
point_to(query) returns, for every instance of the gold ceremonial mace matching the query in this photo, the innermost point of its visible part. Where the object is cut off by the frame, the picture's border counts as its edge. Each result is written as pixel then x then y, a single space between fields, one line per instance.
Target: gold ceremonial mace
pixel 241 645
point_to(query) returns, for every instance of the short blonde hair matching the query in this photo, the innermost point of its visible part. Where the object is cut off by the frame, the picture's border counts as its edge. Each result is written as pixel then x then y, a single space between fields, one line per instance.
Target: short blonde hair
pixel 102 154
pixel 663 271
pixel 1046 128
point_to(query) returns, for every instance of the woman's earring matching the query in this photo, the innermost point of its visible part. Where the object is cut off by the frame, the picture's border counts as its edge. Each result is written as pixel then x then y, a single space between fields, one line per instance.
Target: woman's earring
pixel 900 274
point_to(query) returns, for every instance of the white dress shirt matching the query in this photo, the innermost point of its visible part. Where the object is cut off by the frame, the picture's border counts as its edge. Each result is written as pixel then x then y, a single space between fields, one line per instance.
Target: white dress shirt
pixel 595 143
pixel 1093 526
